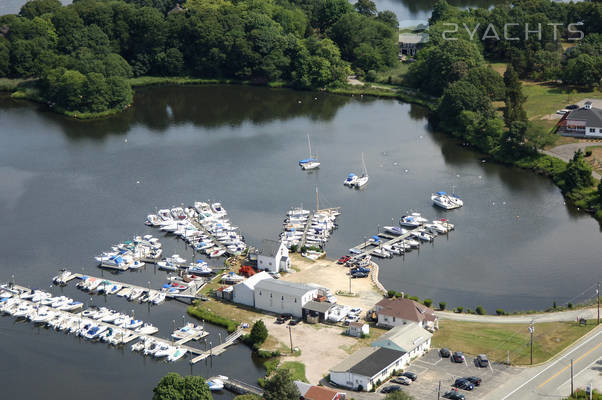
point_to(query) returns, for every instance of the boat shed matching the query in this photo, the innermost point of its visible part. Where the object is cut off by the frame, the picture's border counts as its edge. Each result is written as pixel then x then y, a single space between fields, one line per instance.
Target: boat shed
pixel 316 311
pixel 364 368
pixel 244 292
pixel 283 297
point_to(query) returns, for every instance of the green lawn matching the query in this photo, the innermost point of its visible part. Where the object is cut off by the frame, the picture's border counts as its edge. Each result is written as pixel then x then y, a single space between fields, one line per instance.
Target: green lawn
pixel 543 99
pixel 297 370
pixel 395 74
pixel 496 340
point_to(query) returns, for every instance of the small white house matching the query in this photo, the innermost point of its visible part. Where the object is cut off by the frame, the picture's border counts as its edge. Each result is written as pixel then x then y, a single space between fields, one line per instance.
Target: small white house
pixel 399 312
pixel 358 329
pixel 244 292
pixel 412 339
pixel 283 297
pixel 363 369
pixel 585 121
pixel 273 256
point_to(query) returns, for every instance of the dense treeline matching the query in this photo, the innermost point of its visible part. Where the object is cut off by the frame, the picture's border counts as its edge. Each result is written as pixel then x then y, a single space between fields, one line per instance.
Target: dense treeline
pixel 456 71
pixel 85 52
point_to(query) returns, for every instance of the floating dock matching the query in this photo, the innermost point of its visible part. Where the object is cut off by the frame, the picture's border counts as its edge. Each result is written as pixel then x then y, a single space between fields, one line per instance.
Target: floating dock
pixel 220 348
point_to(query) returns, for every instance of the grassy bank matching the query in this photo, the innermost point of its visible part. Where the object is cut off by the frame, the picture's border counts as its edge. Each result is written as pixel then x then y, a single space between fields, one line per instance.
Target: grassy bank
pixel 496 340
pixel 142 81
pixel 10 85
pixel 544 99
pixel 386 91
pixel 206 314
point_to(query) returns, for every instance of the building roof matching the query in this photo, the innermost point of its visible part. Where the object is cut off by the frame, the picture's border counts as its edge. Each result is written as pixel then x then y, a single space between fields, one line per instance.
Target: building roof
pixel 319 306
pixel 403 338
pixel 592 117
pixel 368 361
pixel 320 393
pixel 303 387
pixel 269 248
pixel 251 281
pixel 406 309
pixel 413 38
pixel 357 324
pixel 284 287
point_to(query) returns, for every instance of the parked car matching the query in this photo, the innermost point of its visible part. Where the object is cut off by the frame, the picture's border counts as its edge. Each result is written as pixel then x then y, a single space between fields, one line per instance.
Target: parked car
pixel 453 395
pixel 294 321
pixel 462 383
pixel 458 357
pixel 343 259
pixel 572 107
pixel 410 375
pixel 444 352
pixel 475 380
pixel 360 275
pixel 482 361
pixel 279 320
pixel 391 389
pixel 402 380
pixel 286 317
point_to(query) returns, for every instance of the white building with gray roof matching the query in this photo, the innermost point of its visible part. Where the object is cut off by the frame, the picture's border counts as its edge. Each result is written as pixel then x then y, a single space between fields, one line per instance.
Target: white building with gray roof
pixel 273 256
pixel 283 297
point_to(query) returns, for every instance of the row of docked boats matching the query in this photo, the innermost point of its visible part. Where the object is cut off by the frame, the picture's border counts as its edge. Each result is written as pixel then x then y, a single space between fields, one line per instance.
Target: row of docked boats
pixel 102 286
pixel 177 263
pixel 204 226
pixel 159 349
pixel 316 227
pixel 131 254
pixel 413 227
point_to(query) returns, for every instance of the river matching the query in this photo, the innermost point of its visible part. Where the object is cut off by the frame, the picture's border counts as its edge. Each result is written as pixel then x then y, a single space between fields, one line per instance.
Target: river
pixel 71 189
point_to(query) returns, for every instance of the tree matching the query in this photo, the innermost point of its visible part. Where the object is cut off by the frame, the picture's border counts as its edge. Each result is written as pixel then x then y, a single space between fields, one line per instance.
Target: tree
pixel 583 70
pixel 442 305
pixel 400 395
pixel 514 99
pixel 174 386
pixel 488 80
pixel 389 18
pixel 280 386
pixel 460 97
pixel 247 397
pixel 366 7
pixel 427 302
pixel 36 8
pixel 4 57
pixel 259 333
pixel 578 173
pixel 480 310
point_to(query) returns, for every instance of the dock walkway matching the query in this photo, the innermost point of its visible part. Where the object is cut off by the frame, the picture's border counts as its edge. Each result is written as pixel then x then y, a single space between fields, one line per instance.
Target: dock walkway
pixel 220 348
pixel 216 242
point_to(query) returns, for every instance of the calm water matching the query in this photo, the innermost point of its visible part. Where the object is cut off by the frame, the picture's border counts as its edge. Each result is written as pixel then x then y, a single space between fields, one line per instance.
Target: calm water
pixel 70 189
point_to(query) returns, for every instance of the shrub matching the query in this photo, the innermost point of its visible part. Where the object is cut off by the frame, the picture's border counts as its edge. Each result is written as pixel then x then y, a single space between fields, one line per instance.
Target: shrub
pixel 391 293
pixel 500 311
pixel 371 76
pixel 480 310
pixel 588 153
pixel 442 305
pixel 570 305
pixel 259 333
pixel 428 302
pixel 460 309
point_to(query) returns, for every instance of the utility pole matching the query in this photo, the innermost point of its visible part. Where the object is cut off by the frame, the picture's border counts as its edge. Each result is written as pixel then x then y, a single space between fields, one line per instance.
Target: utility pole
pixel 439 391
pixel 290 334
pixel 531 330
pixel 571 377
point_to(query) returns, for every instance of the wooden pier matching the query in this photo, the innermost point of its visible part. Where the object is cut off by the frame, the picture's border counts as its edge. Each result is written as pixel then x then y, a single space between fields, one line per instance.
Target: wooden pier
pixel 307 225
pixel 216 242
pixel 220 348
pixel 240 387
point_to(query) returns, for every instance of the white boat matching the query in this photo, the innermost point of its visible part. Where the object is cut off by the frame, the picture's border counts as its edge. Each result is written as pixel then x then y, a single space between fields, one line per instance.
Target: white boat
pixel 351 180
pixel 445 201
pixel 425 237
pixel 216 253
pixel 177 354
pixel 382 253
pixel 215 384
pixel 62 278
pixel 395 230
pixel 362 180
pixel 147 329
pixel 311 162
pixel 164 350
pixel 410 221
pixel 138 346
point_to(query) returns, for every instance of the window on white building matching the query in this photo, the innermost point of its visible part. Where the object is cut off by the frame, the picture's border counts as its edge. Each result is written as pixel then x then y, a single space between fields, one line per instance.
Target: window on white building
pixel 592 130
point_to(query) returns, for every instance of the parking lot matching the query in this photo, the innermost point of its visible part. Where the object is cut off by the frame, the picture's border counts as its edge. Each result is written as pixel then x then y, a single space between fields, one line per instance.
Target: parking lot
pixel 432 369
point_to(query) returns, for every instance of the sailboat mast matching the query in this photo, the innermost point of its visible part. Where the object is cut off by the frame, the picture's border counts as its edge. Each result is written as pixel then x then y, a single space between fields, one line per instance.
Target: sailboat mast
pixel 309 146
pixel 317 200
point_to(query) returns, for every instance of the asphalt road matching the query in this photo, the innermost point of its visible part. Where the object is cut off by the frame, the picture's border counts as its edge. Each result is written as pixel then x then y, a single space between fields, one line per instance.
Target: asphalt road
pixel 552 379
pixel 571 315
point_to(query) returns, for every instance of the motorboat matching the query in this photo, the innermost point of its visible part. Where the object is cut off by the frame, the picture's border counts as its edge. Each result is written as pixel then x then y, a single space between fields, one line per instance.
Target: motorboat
pixel 395 230
pixel 446 201
pixel 187 330
pixel 158 298
pixel 164 350
pixel 425 237
pixel 215 384
pixel 177 354
pixel 311 162
pixel 147 329
pixel 62 278
pixel 350 180
pixel 217 252
pixel 381 252
pixel 410 221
